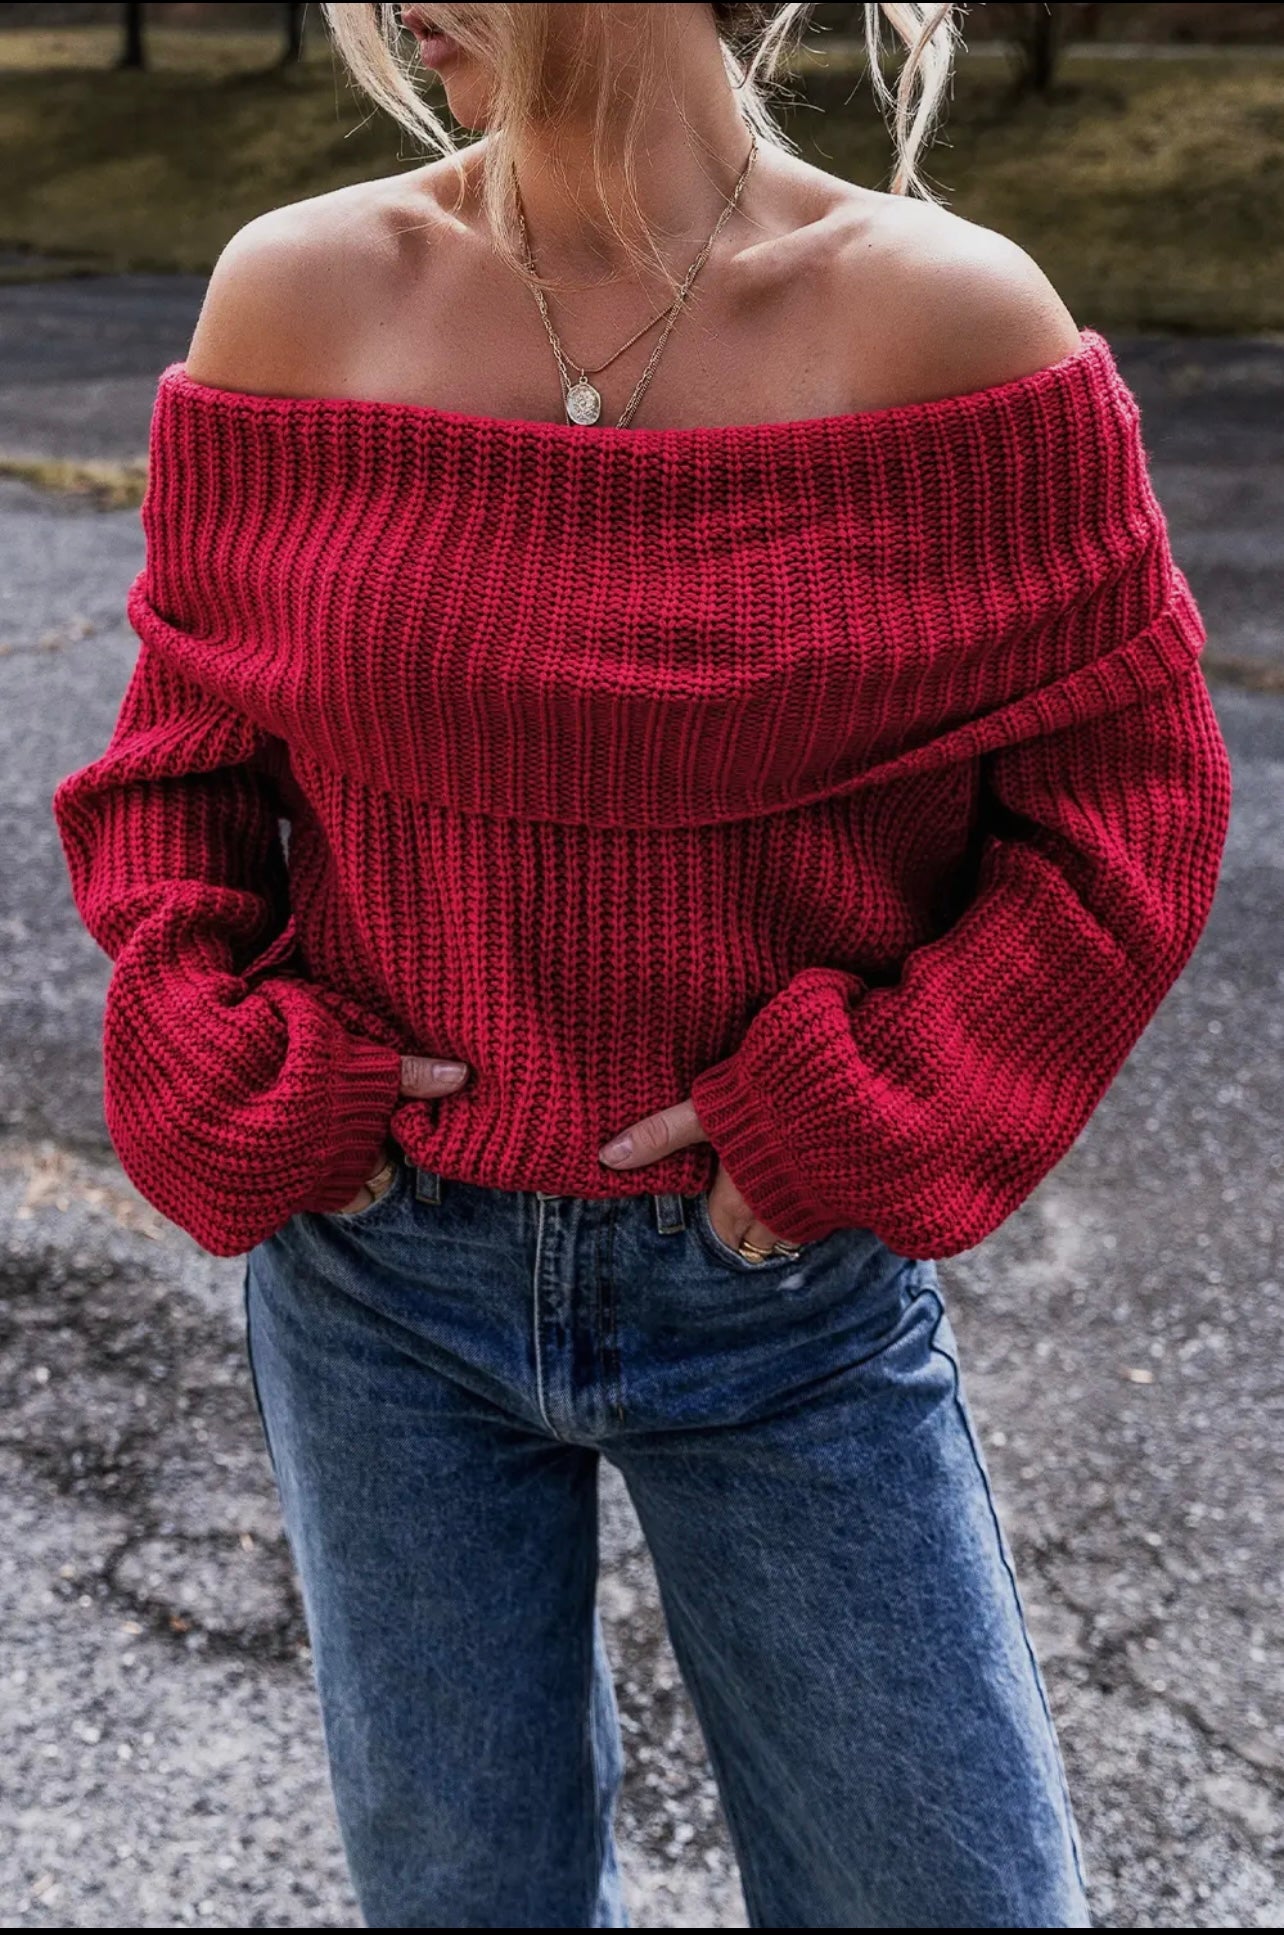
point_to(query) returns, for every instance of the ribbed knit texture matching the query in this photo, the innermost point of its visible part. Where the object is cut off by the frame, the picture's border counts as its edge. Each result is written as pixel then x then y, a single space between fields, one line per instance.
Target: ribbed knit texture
pixel 855 775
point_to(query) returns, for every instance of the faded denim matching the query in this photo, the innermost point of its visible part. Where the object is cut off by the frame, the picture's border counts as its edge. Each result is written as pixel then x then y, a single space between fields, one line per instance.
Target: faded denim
pixel 438 1374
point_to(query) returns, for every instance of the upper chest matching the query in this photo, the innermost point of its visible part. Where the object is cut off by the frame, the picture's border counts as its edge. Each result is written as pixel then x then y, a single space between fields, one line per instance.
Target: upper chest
pixel 787 326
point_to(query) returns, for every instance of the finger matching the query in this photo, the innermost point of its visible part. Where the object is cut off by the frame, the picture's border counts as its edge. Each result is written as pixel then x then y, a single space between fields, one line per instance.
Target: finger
pixel 424 1075
pixel 728 1211
pixel 380 1174
pixel 654 1136
pixel 732 1217
pixel 761 1237
pixel 389 1157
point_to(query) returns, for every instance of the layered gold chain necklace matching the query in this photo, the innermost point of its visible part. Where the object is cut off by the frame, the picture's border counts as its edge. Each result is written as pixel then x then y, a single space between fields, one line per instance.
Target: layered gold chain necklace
pixel 583 401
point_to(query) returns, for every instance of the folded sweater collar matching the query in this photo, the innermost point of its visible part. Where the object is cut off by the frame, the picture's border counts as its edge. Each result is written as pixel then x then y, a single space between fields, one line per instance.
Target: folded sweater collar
pixel 672 626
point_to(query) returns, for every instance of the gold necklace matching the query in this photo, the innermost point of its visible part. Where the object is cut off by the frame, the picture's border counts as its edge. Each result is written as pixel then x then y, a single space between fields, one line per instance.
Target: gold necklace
pixel 583 402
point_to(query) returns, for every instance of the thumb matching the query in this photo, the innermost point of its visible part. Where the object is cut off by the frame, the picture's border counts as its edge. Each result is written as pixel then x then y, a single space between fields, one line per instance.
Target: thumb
pixel 423 1075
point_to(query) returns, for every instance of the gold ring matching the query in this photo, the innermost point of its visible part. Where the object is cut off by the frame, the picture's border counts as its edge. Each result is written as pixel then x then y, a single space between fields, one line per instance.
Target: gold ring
pixel 385 1176
pixel 752 1254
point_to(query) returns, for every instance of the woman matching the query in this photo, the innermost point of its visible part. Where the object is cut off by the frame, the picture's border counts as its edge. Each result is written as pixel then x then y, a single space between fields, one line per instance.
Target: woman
pixel 747 793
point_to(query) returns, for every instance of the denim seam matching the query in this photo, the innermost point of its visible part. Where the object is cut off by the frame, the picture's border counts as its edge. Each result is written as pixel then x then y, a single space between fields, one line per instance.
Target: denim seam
pixel 595 1765
pixel 537 1318
pixel 1068 1805
pixel 599 1353
pixel 610 1320
pixel 254 1376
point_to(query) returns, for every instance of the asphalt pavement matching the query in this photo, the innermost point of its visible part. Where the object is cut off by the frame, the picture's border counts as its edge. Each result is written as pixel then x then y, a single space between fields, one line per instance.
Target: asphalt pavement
pixel 1121 1333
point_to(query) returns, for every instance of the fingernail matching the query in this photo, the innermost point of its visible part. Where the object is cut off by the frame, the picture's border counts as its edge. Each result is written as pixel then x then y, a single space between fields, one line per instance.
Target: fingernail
pixel 619 1150
pixel 448 1071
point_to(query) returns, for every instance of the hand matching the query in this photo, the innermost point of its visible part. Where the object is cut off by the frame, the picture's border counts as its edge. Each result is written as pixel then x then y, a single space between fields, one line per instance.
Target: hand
pixel 420 1075
pixel 676 1128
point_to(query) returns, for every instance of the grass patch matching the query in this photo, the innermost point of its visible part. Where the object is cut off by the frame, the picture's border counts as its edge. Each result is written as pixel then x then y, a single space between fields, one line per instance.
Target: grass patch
pixel 1245 674
pixel 1143 188
pixel 106 486
pixel 115 171
pixel 1146 190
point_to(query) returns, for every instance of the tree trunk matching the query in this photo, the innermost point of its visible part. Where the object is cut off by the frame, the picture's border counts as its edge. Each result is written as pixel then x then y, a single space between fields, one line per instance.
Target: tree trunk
pixel 1044 46
pixel 134 52
pixel 294 19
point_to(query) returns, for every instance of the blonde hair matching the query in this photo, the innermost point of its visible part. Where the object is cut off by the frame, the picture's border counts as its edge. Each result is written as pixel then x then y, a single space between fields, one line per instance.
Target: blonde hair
pixel 511 41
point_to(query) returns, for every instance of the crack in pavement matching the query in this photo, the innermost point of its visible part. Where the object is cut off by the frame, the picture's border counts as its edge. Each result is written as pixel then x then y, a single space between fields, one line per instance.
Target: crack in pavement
pixel 131 1400
pixel 1109 1657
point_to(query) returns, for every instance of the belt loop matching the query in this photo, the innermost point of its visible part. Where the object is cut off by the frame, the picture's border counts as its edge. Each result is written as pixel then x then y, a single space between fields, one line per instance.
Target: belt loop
pixel 427 1186
pixel 670 1216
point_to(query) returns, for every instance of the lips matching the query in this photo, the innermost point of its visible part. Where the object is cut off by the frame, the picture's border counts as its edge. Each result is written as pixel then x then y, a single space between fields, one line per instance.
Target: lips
pixel 435 48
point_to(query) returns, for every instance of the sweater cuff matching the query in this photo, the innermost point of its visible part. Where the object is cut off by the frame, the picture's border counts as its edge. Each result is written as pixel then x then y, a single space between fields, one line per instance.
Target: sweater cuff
pixel 367 1081
pixel 735 1117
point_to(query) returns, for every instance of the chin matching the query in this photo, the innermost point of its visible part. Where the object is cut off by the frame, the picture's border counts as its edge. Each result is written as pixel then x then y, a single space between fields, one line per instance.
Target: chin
pixel 466 100
pixel 469 116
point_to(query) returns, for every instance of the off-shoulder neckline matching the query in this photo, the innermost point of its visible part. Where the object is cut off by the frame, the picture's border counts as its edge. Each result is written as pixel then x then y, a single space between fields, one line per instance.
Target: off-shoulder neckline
pixel 1092 350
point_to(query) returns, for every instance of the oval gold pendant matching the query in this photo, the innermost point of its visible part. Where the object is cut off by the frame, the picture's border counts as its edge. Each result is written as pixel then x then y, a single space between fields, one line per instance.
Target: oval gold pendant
pixel 583 404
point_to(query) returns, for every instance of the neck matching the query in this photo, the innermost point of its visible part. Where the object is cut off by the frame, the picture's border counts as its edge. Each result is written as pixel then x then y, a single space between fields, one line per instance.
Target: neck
pixel 690 149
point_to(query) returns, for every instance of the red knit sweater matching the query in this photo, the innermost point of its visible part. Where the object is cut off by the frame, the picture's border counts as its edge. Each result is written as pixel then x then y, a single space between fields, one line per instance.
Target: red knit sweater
pixel 855 776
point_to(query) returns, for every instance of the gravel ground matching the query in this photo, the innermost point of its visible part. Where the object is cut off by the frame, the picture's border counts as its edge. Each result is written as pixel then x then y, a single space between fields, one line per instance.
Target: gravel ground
pixel 163 1763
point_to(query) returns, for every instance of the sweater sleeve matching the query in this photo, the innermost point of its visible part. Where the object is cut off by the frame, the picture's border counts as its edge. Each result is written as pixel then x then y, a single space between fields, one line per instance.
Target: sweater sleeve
pixel 928 1110
pixel 233 1093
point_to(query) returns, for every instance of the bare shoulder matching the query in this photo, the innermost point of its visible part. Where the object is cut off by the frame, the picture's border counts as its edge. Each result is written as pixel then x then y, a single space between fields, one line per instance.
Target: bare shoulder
pixel 282 308
pixel 949 306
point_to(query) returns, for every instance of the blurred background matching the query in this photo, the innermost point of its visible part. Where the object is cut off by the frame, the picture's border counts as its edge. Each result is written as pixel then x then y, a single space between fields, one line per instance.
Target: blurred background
pixel 161 1752
pixel 1136 148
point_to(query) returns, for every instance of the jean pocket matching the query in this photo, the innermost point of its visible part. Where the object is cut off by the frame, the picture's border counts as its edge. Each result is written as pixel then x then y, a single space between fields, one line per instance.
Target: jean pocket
pixel 724 1253
pixel 370 1212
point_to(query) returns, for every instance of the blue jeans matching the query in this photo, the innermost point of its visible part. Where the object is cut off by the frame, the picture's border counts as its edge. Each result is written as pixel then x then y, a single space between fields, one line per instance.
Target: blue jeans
pixel 437 1375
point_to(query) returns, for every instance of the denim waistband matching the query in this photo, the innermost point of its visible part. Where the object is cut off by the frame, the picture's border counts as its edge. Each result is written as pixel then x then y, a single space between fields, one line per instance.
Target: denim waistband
pixel 667 1206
